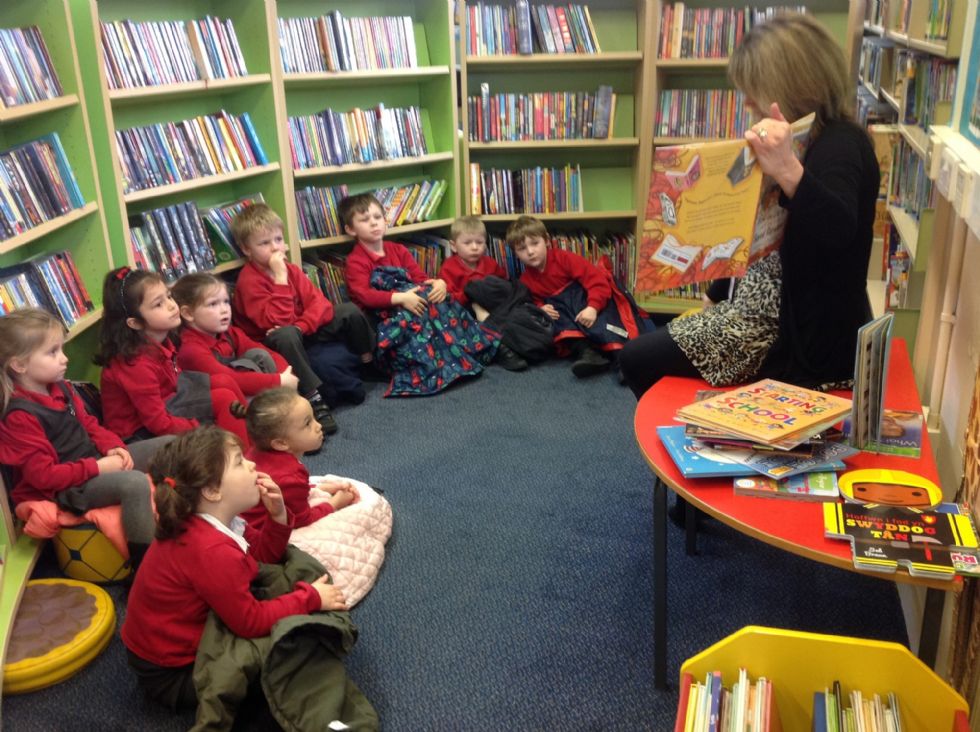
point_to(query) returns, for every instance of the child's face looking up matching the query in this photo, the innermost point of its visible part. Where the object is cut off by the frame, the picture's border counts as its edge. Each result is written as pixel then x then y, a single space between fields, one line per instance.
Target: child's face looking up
pixel 368 227
pixel 263 245
pixel 533 252
pixel 470 248
pixel 158 311
pixel 302 432
pixel 211 315
pixel 238 483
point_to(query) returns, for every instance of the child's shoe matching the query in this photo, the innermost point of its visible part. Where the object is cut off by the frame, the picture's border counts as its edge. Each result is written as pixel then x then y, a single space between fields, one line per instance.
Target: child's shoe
pixel 589 363
pixel 323 415
pixel 509 359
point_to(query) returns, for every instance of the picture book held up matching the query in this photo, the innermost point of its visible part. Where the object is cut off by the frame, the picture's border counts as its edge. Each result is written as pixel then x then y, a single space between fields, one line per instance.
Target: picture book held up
pixel 769 412
pixel 710 213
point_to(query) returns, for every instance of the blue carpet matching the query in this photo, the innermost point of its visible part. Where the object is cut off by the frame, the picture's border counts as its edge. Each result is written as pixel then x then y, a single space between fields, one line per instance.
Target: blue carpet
pixel 516 594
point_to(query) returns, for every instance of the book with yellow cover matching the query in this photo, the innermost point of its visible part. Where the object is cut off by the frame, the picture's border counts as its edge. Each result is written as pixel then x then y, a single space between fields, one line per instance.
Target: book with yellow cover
pixel 769 412
pixel 710 213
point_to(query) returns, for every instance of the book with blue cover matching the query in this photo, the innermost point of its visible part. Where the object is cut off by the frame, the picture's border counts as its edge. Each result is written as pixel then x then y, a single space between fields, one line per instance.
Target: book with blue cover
pixel 695 460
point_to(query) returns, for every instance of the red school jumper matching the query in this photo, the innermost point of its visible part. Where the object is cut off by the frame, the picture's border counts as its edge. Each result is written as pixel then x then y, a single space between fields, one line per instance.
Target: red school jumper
pixel 293 480
pixel 135 392
pixel 200 351
pixel 39 474
pixel 260 304
pixel 361 262
pixel 561 268
pixel 458 274
pixel 181 579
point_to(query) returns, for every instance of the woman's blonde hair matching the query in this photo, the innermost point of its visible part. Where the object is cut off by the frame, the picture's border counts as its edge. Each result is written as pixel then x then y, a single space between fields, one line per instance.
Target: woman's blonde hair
pixel 793 60
pixel 21 333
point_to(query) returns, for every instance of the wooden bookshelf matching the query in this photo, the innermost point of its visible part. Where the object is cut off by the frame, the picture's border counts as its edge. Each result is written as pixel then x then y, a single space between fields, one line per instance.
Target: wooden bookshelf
pixel 117 109
pixel 81 231
pixel 430 86
pixel 615 170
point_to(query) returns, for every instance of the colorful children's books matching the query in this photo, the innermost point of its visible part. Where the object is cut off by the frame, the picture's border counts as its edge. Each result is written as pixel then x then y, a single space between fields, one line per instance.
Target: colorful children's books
pixel 870 368
pixel 769 412
pixel 697 461
pixel 710 213
pixel 815 487
pixel 899 433
pixel 778 464
pixel 884 537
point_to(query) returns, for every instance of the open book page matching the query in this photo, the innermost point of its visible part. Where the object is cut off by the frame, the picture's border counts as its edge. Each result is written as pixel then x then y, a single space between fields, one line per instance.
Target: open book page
pixel 710 213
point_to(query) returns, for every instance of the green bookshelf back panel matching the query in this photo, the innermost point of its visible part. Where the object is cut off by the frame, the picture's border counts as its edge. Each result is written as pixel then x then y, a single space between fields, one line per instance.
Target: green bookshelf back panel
pixel 80 350
pixel 608 189
pixel 615 25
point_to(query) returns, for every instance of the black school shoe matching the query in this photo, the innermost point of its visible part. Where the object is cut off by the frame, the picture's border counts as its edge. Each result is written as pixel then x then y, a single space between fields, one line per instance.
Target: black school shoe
pixel 323 415
pixel 509 359
pixel 589 363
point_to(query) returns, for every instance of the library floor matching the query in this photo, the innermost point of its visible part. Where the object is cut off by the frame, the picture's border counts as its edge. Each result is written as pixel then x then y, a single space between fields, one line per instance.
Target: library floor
pixel 516 593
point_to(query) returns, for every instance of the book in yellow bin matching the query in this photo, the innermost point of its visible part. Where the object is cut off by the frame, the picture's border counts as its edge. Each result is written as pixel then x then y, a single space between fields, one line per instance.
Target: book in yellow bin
pixel 710 213
pixel 769 412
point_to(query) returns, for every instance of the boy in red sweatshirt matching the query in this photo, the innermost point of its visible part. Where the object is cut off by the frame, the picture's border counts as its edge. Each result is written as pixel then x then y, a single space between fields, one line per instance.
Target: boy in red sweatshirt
pixel 276 303
pixel 592 318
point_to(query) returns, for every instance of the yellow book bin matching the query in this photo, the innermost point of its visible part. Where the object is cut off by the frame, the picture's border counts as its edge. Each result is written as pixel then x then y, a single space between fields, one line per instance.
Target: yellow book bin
pixel 799 664
pixel 62 625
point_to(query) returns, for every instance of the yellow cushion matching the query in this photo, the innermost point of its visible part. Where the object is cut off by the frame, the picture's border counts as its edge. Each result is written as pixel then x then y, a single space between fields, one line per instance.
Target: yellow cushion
pixel 84 553
pixel 61 626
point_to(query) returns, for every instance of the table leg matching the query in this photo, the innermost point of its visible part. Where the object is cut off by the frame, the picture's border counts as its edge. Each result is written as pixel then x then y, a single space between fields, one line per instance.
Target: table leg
pixel 659 584
pixel 691 517
pixel 932 618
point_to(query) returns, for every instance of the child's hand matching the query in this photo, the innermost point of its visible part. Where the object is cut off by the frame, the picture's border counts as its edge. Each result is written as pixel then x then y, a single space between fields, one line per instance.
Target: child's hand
pixel 550 311
pixel 331 596
pixel 110 464
pixel 271 497
pixel 586 318
pixel 277 265
pixel 342 498
pixel 411 300
pixel 437 290
pixel 335 484
pixel 123 453
pixel 288 378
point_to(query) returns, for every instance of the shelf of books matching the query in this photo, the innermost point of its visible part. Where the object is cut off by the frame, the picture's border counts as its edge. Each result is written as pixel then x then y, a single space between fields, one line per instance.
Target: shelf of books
pixel 53 243
pixel 756 674
pixel 693 100
pixel 186 101
pixel 370 106
pixel 935 28
pixel 554 103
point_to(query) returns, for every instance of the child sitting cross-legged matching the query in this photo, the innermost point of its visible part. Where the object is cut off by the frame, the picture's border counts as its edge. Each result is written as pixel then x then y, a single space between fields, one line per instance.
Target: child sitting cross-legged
pixel 329 345
pixel 478 281
pixel 210 343
pixel 206 558
pixel 426 339
pixel 58 451
pixel 282 429
pixel 592 317
pixel 144 390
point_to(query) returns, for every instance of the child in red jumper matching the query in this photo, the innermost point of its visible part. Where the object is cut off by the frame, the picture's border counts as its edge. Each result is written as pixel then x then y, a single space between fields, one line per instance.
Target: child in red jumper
pixel 210 343
pixel 592 317
pixel 144 392
pixel 282 429
pixel 425 338
pixel 275 302
pixel 205 558
pixel 57 450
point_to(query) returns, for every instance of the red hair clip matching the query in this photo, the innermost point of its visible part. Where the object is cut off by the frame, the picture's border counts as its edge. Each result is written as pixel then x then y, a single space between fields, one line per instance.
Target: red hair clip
pixel 171 482
pixel 122 272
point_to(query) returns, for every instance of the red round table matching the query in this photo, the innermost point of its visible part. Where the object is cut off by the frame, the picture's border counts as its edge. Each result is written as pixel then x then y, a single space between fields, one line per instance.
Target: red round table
pixel 794 526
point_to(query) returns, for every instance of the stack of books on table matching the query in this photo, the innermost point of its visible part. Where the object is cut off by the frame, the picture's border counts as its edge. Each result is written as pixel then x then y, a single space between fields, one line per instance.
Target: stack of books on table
pixel 778 439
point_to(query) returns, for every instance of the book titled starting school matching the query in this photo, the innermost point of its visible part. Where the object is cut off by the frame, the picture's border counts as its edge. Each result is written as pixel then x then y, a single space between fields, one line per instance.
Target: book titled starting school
pixel 769 412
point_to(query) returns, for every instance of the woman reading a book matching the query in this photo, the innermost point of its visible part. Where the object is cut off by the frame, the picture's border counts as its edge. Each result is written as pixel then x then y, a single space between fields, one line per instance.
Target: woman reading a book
pixel 794 316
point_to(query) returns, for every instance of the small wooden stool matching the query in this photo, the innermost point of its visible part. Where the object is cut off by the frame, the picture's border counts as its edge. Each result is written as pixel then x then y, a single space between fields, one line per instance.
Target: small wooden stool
pixel 84 553
pixel 61 626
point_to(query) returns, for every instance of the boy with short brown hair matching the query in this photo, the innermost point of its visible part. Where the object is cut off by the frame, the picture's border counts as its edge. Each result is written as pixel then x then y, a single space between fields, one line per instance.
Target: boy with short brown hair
pixel 592 318
pixel 276 303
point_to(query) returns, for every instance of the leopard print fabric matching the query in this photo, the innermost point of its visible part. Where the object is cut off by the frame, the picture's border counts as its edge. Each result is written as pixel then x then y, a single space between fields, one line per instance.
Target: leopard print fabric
pixel 728 342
